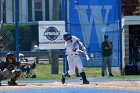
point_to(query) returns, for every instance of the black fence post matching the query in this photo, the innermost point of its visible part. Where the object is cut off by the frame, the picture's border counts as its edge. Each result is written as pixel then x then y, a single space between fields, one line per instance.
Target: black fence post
pixel 54 62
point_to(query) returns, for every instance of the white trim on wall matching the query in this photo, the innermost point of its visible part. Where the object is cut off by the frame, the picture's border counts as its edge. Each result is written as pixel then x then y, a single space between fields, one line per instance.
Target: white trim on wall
pixel 43 10
pixel 33 10
pixel 9 11
pixel 50 9
pixel 24 11
pixel 130 20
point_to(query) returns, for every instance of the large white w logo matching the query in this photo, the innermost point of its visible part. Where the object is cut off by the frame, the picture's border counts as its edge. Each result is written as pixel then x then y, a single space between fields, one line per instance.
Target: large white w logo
pixel 94 17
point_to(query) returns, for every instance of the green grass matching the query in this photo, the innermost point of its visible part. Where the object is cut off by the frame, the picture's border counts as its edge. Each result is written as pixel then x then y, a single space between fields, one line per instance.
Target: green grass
pixel 43 72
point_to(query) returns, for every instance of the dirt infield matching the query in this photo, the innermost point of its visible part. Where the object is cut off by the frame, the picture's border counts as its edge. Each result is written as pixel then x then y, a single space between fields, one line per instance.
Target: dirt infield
pixel 113 85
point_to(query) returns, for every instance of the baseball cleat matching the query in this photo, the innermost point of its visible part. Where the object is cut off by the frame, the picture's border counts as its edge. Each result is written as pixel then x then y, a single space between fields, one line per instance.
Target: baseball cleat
pixel 111 75
pixel 10 83
pixel 63 79
pixel 85 82
pixel 78 76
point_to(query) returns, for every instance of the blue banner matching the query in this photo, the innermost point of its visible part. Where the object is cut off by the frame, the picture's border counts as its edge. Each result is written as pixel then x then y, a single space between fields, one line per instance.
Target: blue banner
pixel 90 20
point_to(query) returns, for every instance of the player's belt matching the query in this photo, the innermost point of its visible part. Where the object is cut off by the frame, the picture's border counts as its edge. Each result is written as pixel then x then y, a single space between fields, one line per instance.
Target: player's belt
pixel 73 54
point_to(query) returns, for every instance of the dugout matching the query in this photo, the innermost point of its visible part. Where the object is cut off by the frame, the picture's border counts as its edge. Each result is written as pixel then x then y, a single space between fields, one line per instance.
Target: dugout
pixel 131 44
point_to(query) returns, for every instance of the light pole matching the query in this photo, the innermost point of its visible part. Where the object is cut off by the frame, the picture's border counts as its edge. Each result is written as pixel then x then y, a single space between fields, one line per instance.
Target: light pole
pixel 120 28
pixel 17 28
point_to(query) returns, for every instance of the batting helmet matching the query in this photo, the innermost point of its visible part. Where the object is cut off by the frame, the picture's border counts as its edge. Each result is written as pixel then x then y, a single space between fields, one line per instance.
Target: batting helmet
pixel 10 54
pixel 67 37
pixel 21 55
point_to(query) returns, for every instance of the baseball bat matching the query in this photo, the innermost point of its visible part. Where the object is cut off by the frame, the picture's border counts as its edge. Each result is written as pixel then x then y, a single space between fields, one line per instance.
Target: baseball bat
pixel 85 53
pixel 87 57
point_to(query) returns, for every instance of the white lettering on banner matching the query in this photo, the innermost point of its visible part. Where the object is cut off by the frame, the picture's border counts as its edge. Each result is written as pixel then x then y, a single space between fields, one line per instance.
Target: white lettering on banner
pixel 52 42
pixel 96 17
pixel 51 35
pixel 98 55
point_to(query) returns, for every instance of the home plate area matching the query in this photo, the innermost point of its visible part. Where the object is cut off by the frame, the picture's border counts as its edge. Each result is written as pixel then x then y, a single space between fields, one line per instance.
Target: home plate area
pixel 73 86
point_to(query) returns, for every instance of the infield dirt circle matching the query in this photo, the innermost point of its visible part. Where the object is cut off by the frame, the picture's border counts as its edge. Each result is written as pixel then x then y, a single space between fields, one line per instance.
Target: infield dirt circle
pixel 133 85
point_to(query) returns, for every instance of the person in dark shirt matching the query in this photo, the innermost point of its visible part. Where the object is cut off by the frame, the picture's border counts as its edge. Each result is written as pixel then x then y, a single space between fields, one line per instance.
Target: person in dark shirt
pixel 107 55
pixel 7 69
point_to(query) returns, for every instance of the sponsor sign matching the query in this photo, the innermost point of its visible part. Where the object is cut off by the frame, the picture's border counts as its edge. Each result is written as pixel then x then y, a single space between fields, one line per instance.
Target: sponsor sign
pixel 51 34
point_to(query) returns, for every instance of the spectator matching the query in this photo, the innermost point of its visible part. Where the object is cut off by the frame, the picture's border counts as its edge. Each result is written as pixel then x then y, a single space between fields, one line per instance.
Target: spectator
pixel 24 68
pixel 106 56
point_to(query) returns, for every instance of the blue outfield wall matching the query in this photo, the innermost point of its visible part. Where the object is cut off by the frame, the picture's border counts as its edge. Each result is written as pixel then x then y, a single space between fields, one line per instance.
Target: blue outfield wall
pixel 90 20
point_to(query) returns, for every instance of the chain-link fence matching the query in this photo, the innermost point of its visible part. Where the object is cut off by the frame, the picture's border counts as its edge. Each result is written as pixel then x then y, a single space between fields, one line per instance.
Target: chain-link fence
pixel 19 30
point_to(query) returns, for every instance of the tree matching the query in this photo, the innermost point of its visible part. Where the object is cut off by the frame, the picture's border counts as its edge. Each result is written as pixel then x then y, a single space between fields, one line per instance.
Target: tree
pixel 27 35
pixel 130 7
pixel 8 33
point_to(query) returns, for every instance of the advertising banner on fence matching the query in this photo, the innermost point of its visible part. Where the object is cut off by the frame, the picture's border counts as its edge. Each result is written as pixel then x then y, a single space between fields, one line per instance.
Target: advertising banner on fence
pixel 90 20
pixel 51 34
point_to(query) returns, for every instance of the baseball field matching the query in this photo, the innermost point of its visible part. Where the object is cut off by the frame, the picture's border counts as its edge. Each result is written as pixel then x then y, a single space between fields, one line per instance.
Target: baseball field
pixel 46 81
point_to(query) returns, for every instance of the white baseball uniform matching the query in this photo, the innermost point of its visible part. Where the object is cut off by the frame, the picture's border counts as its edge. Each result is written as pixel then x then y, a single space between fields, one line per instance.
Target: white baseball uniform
pixel 73 56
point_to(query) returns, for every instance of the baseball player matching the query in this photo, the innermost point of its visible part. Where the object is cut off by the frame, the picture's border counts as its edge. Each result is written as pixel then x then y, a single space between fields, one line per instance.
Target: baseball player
pixel 7 69
pixel 72 44
pixel 29 70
